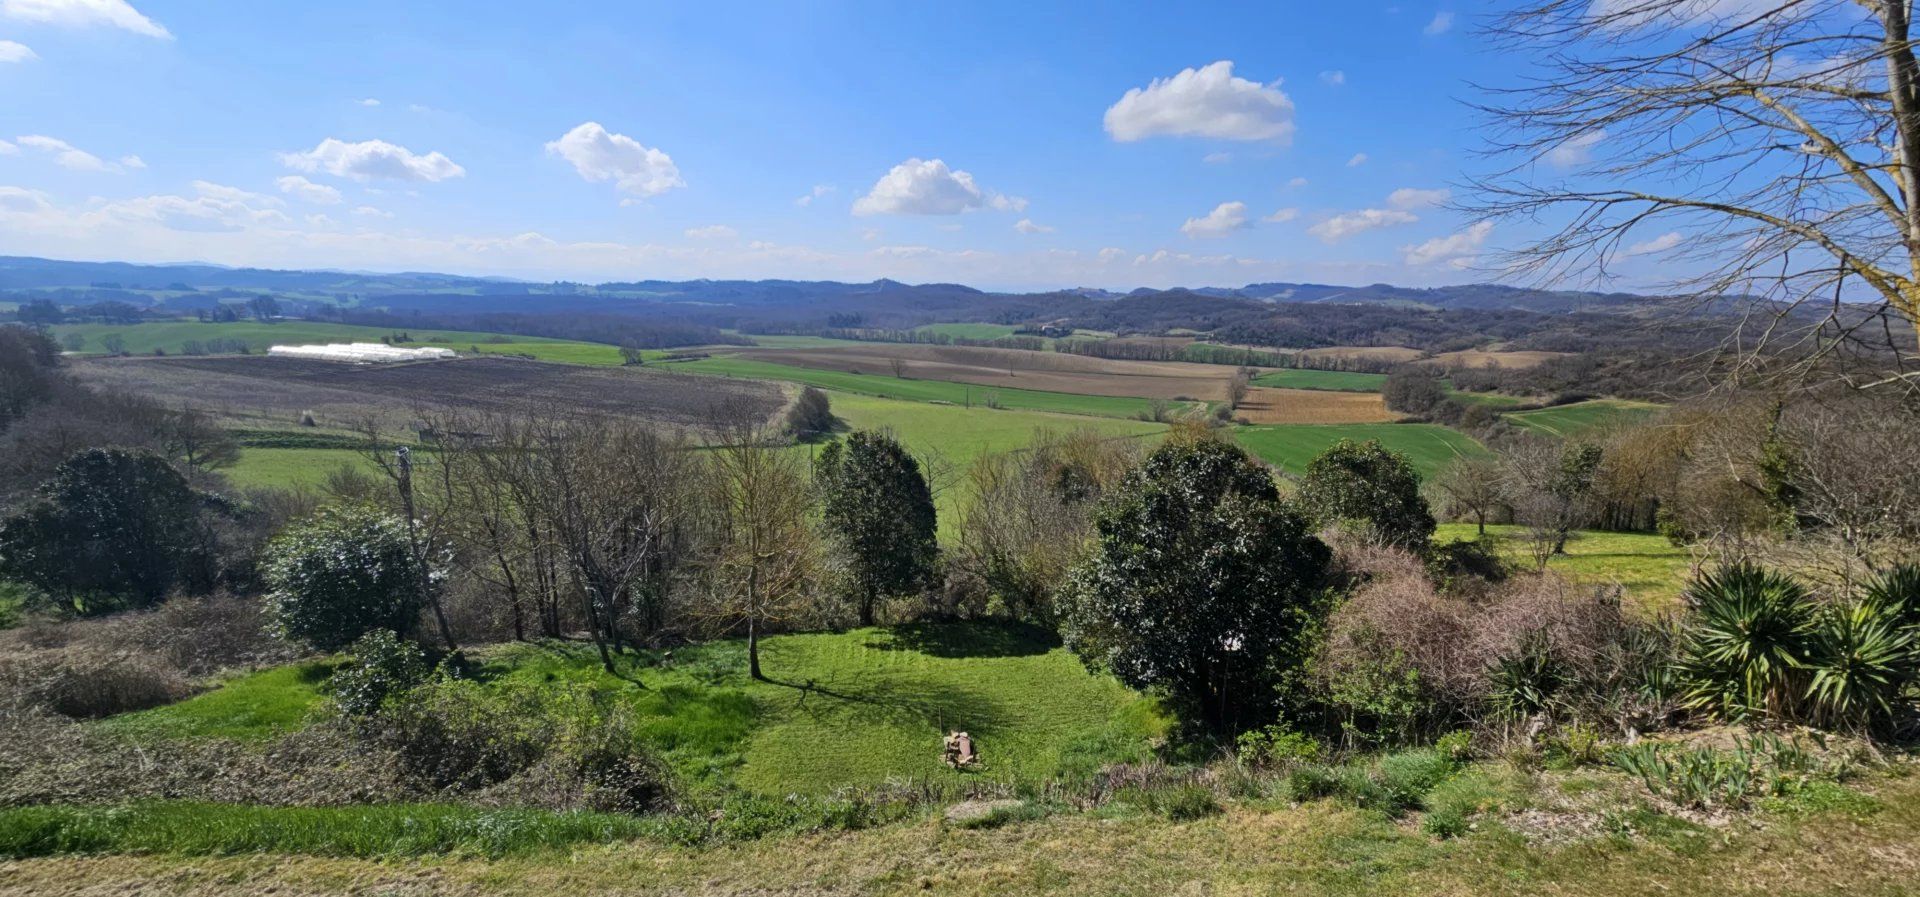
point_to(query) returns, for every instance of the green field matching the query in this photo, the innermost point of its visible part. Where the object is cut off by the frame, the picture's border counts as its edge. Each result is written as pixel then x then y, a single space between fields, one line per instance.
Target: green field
pixel 1337 381
pixel 970 331
pixel 172 337
pixel 290 468
pixel 1492 400
pixel 1580 417
pixel 880 701
pixel 1650 568
pixel 886 386
pixel 1429 447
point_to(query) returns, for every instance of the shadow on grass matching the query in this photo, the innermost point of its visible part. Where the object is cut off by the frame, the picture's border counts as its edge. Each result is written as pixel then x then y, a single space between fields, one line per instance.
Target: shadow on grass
pixel 974 639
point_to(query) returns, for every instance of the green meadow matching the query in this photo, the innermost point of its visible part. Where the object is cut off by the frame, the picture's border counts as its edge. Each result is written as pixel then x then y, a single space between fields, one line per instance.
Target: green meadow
pixel 1581 417
pixel 1337 381
pixel 887 386
pixel 1429 447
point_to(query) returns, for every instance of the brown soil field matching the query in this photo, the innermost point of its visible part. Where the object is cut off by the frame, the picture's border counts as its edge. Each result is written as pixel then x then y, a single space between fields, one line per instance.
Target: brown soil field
pixel 276 391
pixel 1268 405
pixel 1053 371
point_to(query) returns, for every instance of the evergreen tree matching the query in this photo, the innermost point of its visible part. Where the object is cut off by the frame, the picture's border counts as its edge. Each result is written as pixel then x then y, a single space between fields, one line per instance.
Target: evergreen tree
pixel 879 508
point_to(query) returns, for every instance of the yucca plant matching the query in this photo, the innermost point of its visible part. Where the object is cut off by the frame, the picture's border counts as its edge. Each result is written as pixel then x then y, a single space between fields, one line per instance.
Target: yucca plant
pixel 1898 590
pixel 1748 638
pixel 1862 661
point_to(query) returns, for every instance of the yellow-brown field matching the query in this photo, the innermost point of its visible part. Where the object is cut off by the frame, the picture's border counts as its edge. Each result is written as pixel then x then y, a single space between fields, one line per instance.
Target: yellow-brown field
pixel 1270 405
pixel 1051 371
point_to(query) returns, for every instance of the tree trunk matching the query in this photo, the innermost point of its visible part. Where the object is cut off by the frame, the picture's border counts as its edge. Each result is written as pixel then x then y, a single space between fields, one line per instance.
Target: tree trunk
pixel 753 650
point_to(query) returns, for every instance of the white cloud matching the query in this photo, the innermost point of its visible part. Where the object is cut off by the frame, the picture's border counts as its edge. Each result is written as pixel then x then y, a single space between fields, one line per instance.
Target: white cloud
pixel 66 155
pixel 21 201
pixel 84 14
pixel 1110 253
pixel 1457 248
pixel 1413 198
pixel 1282 216
pixel 226 194
pixel 818 191
pixel 1658 244
pixel 1297 183
pixel 8 149
pixel 321 220
pixel 132 161
pixel 1577 150
pixel 1347 224
pixel 372 159
pixel 1225 218
pixel 1216 158
pixel 319 194
pixel 216 209
pixel 370 101
pixel 712 232
pixel 1026 226
pixel 929 187
pixel 1333 78
pixel 1358 160
pixel 1203 102
pixel 1441 24
pixel 601 155
pixel 371 212
pixel 13 51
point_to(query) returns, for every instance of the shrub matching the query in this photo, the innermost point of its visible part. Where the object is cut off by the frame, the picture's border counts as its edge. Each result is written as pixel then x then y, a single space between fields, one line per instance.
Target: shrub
pixel 1748 637
pixel 343 574
pixel 379 666
pixel 1276 745
pixel 810 416
pixel 1368 484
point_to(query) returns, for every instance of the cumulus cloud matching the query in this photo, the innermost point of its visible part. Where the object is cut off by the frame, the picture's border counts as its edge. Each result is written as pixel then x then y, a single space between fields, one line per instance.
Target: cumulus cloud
pixel 1203 102
pixel 215 208
pixel 84 14
pixel 1225 218
pixel 1577 150
pixel 929 187
pixel 1442 23
pixel 8 149
pixel 1333 78
pixel 818 191
pixel 370 101
pixel 1110 253
pixel 1282 216
pixel 371 212
pixel 1413 198
pixel 308 191
pixel 1658 244
pixel 1456 249
pixel 21 201
pixel 1348 224
pixel 14 51
pixel 1357 160
pixel 712 232
pixel 1297 183
pixel 224 193
pixel 131 161
pixel 68 156
pixel 601 155
pixel 1026 226
pixel 372 160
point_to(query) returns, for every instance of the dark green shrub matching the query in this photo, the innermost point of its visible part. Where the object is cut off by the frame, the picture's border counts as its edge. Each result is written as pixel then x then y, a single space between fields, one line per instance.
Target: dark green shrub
pixel 378 666
pixel 1862 658
pixel 1368 484
pixel 1277 745
pixel 343 574
pixel 1749 634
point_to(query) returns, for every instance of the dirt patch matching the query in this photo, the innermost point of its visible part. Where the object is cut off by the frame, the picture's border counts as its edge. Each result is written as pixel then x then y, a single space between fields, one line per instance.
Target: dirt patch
pixel 1272 405
pixel 1051 371
pixel 278 390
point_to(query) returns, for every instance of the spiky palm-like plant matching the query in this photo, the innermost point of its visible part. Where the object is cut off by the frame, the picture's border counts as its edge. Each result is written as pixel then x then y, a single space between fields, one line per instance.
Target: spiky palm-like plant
pixel 1748 638
pixel 1862 661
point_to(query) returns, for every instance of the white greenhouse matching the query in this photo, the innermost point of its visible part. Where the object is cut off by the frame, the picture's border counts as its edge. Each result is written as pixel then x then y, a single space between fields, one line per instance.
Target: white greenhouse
pixel 360 353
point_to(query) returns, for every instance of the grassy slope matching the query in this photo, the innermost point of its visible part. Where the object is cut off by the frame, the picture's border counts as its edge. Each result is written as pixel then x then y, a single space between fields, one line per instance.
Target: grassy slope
pixel 1650 568
pixel 287 468
pixel 1579 417
pixel 886 386
pixel 1290 446
pixel 143 339
pixel 1865 848
pixel 1338 381
pixel 882 701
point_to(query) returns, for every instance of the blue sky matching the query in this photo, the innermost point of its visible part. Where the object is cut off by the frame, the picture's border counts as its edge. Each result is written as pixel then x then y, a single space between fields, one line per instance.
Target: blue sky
pixel 1269 141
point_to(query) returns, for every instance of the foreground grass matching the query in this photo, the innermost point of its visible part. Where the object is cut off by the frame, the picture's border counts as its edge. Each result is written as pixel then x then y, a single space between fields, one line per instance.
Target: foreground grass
pixel 1649 568
pixel 1290 447
pixel 860 708
pixel 1316 850
pixel 886 386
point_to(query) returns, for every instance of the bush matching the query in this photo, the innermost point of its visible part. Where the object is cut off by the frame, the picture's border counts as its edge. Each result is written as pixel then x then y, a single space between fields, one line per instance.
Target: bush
pixel 810 416
pixel 1277 745
pixel 341 575
pixel 378 667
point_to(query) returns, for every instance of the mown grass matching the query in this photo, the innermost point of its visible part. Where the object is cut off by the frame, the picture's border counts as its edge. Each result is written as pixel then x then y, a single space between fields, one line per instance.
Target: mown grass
pixel 1649 568
pixel 1429 447
pixel 255 706
pixel 1580 417
pixel 172 337
pixel 887 386
pixel 289 468
pixel 1337 381
pixel 859 708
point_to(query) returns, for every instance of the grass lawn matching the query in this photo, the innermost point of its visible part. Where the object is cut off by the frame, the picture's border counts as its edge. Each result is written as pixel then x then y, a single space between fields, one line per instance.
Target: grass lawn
pixel 1572 420
pixel 258 705
pixel 1338 381
pixel 880 701
pixel 288 468
pixel 172 336
pixel 1651 569
pixel 1492 400
pixel 887 386
pixel 1290 447
pixel 970 331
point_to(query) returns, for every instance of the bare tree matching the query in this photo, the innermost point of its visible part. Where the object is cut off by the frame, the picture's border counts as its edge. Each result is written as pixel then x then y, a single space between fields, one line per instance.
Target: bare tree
pixel 1472 487
pixel 426 522
pixel 1772 149
pixel 762 555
